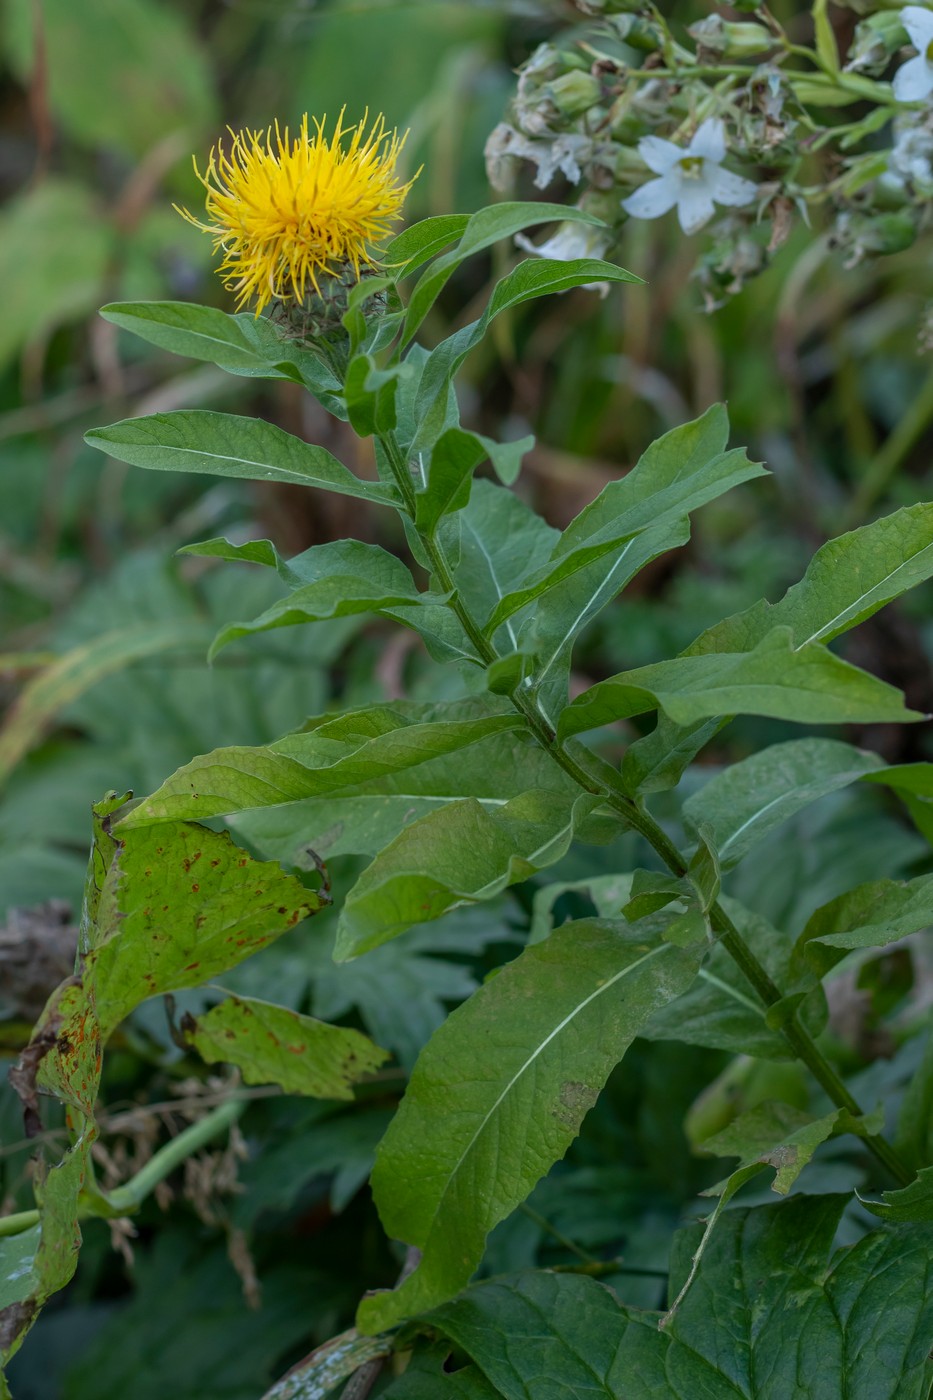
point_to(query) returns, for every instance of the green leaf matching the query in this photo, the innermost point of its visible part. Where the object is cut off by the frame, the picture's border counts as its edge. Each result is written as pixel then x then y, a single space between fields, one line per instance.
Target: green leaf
pixel 501 1090
pixel 482 229
pixel 362 819
pixel 774 1135
pixel 56 237
pixel 458 853
pixel 426 1377
pixel 501 540
pixel 658 760
pixel 221 444
pixel 650 507
pixel 356 748
pixel 243 344
pixel 81 668
pixel 746 801
pixel 809 685
pixel 344 577
pixel 174 907
pixel 846 581
pixel 416 245
pixel 870 916
pixel 859 1325
pixel 370 395
pixel 721 1011
pixel 826 46
pixel 539 1334
pixel 159 79
pixel 272 1045
pixel 534 277
pixel 912 1203
pixel 914 1139
pixel 453 459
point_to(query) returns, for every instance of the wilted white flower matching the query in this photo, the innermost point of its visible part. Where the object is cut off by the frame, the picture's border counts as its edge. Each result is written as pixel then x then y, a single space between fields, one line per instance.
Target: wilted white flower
pixel 561 154
pixel 913 81
pixel 691 178
pixel 572 240
pixel 911 157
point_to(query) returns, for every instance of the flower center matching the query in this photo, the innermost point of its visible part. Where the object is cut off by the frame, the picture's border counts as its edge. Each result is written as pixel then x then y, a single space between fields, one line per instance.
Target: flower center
pixel 692 166
pixel 928 55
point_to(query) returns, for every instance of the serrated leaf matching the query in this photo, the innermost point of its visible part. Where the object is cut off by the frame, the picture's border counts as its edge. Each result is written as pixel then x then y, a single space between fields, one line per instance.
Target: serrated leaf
pixel 359 747
pixel 221 444
pixel 455 854
pixel 808 685
pixel 272 1045
pixel 242 344
pixel 500 1091
pixel 846 581
pixel 746 801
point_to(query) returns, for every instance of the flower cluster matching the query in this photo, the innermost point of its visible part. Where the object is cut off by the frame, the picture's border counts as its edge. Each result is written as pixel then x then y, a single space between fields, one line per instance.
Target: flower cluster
pixel 743 118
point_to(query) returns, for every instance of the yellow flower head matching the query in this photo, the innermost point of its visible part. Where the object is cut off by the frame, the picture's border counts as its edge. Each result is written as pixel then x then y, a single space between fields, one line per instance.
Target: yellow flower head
pixel 284 211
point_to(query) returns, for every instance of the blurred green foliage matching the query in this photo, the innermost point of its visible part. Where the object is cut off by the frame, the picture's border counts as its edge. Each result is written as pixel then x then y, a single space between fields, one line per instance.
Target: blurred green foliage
pixel 103 102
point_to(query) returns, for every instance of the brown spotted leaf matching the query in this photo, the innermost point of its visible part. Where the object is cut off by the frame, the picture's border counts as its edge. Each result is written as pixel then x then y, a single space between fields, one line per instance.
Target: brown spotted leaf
pixel 272 1045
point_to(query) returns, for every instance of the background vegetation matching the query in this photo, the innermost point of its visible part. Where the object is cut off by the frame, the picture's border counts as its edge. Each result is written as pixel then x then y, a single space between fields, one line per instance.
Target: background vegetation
pixel 271 1240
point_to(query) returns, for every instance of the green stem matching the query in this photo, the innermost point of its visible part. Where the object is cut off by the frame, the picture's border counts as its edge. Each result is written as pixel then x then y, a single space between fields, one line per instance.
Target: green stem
pixel 910 428
pixel 596 776
pixel 131 1195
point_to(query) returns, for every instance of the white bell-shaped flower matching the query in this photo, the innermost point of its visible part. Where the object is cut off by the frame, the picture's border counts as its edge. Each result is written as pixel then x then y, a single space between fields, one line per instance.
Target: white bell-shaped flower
pixel 691 178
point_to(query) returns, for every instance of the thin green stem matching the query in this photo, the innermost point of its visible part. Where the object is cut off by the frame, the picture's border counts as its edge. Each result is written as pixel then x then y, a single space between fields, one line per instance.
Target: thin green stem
pixel 596 776
pixel 131 1195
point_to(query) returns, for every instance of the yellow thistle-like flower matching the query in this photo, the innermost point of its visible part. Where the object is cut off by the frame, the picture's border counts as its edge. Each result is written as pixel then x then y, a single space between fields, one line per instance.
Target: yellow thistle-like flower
pixel 286 211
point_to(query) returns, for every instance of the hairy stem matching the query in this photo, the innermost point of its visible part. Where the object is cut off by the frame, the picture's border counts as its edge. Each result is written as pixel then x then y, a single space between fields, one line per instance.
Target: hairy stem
pixel 596 776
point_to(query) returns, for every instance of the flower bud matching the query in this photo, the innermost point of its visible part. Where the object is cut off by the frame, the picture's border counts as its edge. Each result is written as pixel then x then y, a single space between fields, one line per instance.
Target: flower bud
pixel 574 93
pixel 876 40
pixel 731 40
pixel 638 32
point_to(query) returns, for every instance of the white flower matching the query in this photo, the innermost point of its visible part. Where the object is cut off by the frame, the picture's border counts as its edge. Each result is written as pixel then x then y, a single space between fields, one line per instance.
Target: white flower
pixel 693 179
pixel 913 81
pixel 572 240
